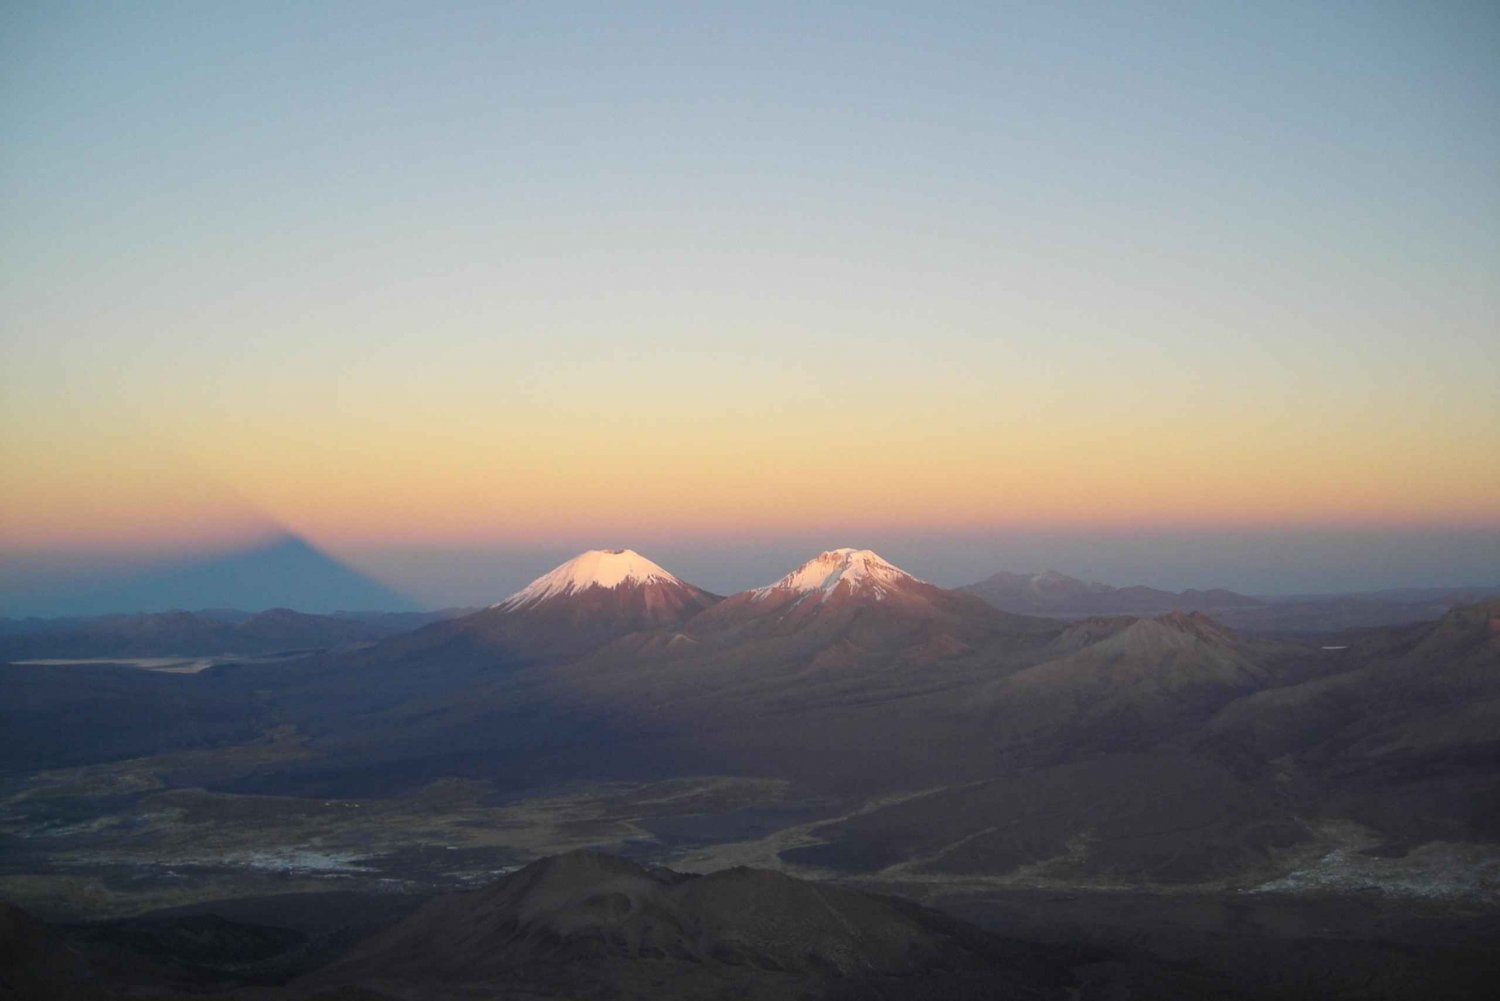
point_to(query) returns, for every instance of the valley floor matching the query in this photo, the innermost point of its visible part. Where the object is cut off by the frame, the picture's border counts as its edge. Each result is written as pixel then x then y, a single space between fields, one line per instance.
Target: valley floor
pixel 115 841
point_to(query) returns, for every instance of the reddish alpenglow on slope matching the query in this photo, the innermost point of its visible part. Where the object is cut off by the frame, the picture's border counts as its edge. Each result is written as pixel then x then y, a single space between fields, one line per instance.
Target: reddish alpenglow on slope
pixel 839 585
pixel 593 599
pixel 603 591
pixel 596 568
pixel 842 571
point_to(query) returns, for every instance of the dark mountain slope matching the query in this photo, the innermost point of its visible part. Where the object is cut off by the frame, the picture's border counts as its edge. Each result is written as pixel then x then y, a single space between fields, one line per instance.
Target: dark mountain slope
pixel 1114 684
pixel 56 716
pixel 579 924
pixel 1404 734
pixel 36 965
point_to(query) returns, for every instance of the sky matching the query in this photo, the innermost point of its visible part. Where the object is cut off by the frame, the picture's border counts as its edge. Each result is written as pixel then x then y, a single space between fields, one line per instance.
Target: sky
pixel 1182 294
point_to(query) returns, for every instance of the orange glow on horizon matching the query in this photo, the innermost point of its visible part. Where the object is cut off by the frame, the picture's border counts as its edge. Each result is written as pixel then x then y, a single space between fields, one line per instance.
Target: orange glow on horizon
pixel 353 498
pixel 503 473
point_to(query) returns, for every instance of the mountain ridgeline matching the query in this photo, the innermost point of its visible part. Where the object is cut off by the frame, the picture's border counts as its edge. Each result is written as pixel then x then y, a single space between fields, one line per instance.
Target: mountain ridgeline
pixel 1055 594
pixel 850 676
pixel 847 722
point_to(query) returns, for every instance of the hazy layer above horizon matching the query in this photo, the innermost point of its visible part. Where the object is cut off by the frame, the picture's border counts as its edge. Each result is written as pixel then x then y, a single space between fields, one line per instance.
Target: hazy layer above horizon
pixel 1265 562
pixel 286 571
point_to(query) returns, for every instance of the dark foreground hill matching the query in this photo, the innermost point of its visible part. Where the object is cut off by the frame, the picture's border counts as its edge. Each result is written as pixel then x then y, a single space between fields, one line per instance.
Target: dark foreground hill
pixel 591 925
pixel 587 925
pixel 36 964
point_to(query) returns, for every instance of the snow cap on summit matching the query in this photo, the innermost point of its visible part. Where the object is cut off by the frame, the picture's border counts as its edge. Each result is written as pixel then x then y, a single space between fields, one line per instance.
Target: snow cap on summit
pixel 855 569
pixel 596 568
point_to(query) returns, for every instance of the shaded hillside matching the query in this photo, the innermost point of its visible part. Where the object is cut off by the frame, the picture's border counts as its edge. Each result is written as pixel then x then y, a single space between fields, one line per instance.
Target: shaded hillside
pixel 588 926
pixel 37 965
pixel 1404 733
pixel 57 716
pixel 1127 683
pixel 1158 751
pixel 852 695
pixel 584 924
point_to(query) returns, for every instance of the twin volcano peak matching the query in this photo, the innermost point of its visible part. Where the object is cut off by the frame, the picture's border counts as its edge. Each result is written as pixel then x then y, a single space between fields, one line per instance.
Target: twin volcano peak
pixel 837 571
pixel 597 568
pixel 842 571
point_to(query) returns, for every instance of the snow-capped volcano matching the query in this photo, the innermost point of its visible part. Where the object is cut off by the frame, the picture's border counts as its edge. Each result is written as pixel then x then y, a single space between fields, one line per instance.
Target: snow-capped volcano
pixel 588 602
pixel 597 568
pixel 852 604
pixel 593 599
pixel 842 570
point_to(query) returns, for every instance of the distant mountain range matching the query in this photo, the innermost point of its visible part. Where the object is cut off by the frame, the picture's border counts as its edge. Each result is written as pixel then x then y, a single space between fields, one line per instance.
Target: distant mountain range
pixel 1052 593
pixel 289 572
pixel 602 595
pixel 1055 594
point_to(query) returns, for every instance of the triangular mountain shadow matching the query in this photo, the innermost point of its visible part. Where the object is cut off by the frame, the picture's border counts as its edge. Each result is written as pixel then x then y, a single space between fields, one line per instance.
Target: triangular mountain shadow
pixel 284 571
